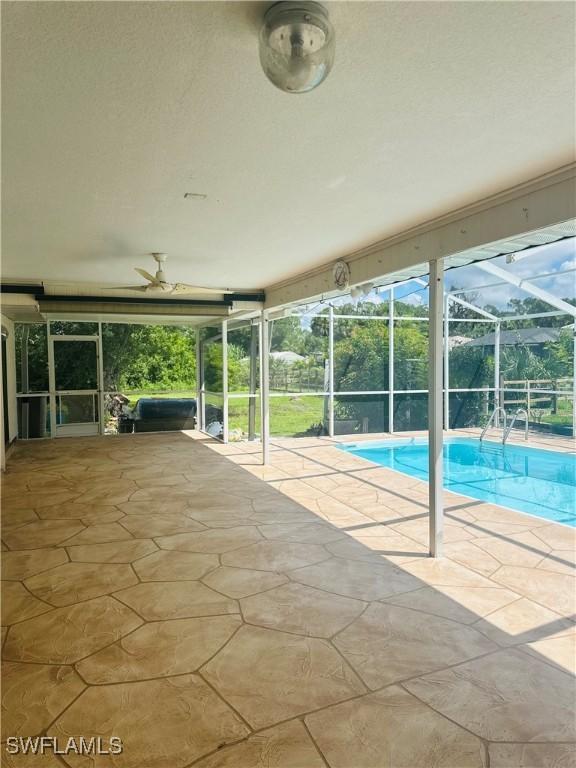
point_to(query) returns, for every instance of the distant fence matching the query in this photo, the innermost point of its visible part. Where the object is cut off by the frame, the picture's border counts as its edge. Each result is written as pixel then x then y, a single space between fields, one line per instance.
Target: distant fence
pixel 297 378
pixel 549 402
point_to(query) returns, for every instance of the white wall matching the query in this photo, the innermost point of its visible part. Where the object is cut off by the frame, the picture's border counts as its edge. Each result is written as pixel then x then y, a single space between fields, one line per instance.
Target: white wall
pixel 8 327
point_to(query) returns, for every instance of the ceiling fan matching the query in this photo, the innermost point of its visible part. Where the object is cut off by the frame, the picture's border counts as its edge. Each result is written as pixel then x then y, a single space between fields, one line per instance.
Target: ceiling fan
pixel 159 284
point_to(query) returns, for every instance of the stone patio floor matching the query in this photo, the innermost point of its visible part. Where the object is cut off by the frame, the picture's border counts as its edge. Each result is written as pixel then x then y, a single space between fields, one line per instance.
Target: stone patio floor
pixel 208 611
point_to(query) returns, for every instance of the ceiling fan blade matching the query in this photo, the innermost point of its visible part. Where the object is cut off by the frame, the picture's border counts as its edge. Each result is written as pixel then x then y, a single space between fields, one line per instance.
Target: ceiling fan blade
pixel 146 275
pixel 130 288
pixel 185 288
pixel 159 287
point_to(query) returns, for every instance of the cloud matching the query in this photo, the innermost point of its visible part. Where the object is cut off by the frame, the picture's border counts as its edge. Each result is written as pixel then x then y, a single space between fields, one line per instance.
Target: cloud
pixel 374 298
pixel 562 287
pixel 562 284
pixel 414 299
pixel 556 257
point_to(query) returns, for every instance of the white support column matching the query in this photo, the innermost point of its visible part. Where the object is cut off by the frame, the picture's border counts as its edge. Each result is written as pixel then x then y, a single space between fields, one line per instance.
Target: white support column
pixel 574 386
pixel 254 389
pixel 24 383
pixel 435 435
pixel 331 371
pixel 225 430
pixel 51 381
pixel 199 383
pixel 265 385
pixel 3 426
pixel 101 418
pixel 391 362
pixel 497 393
pixel 446 363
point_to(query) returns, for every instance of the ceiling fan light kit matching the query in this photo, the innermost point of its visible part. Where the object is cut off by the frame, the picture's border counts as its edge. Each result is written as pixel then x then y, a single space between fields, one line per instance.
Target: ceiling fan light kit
pixel 297 45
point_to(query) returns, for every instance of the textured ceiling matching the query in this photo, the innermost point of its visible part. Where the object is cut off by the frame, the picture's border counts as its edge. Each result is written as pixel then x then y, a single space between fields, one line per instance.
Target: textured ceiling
pixel 113 111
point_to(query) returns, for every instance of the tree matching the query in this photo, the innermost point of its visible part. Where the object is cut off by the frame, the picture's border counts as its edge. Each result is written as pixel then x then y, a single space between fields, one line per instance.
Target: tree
pixel 459 312
pixel 531 305
pixel 559 356
pixel 361 359
pixel 148 357
pixel 287 335
pixel 34 337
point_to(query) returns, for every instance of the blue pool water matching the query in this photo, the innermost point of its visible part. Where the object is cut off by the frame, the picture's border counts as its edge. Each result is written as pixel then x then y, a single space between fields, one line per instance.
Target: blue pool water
pixel 530 480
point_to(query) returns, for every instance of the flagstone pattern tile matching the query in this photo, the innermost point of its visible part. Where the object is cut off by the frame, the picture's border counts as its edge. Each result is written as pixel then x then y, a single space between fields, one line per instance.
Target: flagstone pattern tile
pixel 18 604
pixel 463 604
pixel 112 551
pixel 34 694
pixel 164 723
pixel 390 729
pixel 160 649
pixel 270 676
pixel 170 590
pixel 302 610
pixel 158 600
pixel 99 534
pixel 173 565
pixel 43 533
pixel 242 582
pixel 505 696
pixel 211 541
pixel 556 591
pixel 284 746
pixel 65 635
pixel 532 755
pixel 21 565
pixel 558 650
pixel 355 579
pixel 73 582
pixel 160 525
pixel 522 622
pixel 275 556
pixel 388 643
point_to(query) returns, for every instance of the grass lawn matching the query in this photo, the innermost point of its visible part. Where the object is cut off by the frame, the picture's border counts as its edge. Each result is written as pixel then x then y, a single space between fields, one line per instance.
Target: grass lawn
pixel 288 415
pixel 558 419
pixel 562 417
pixel 295 415
pixel 291 416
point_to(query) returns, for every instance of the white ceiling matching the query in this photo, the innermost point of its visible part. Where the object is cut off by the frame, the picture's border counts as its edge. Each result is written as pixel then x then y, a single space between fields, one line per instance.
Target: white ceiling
pixel 113 110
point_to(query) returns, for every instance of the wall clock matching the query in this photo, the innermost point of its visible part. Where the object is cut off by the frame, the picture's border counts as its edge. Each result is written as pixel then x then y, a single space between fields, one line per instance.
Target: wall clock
pixel 341 274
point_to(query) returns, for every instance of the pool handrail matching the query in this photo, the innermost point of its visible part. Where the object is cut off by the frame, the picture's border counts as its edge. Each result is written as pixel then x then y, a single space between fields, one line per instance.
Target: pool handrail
pixel 496 410
pixel 508 429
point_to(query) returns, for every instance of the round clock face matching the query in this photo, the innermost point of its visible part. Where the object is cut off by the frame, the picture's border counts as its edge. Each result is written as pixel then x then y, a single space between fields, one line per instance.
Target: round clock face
pixel 341 274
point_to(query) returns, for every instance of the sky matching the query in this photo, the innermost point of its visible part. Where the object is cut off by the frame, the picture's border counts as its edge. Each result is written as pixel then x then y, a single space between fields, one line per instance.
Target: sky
pixel 557 258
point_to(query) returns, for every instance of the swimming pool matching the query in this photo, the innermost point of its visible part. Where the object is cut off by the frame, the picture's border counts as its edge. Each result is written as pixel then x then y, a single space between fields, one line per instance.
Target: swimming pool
pixel 530 480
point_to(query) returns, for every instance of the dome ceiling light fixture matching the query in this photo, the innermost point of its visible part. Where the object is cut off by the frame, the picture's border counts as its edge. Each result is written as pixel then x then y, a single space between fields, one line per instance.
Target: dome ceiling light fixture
pixel 296 45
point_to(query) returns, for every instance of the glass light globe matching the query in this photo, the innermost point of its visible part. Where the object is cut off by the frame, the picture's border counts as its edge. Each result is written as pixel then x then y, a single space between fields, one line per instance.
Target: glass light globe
pixel 296 45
